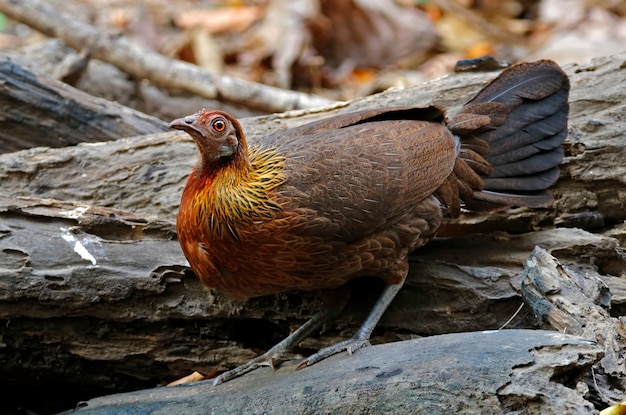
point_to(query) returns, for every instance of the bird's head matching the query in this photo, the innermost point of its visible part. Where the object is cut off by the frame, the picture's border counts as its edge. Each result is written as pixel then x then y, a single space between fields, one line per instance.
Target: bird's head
pixel 218 135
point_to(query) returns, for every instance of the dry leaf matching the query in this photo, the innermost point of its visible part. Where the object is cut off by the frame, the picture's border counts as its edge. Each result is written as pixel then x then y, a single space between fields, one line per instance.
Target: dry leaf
pixel 457 34
pixel 281 36
pixel 194 377
pixel 369 33
pixel 206 51
pixel 345 34
pixel 225 19
pixel 479 49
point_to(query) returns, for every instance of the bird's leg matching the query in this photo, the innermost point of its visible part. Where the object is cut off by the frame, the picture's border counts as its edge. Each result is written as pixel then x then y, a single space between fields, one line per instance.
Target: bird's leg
pixel 361 338
pixel 285 345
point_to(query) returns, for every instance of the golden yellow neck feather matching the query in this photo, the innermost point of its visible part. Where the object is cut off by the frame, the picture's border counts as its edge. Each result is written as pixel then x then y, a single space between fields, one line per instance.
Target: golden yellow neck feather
pixel 236 194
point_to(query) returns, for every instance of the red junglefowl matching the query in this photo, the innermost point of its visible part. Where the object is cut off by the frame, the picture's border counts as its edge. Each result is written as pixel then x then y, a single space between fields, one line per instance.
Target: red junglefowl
pixel 313 207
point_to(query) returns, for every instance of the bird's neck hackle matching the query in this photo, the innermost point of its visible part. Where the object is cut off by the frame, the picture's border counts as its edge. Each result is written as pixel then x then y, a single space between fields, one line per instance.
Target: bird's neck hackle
pixel 236 193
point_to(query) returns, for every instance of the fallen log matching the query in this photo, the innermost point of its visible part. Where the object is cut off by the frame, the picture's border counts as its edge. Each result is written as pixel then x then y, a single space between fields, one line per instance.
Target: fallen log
pixel 111 47
pixel 53 59
pixel 39 111
pixel 108 294
pixel 480 373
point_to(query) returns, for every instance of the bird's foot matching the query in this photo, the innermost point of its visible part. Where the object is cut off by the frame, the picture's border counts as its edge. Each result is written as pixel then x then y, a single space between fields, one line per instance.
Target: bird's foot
pixel 271 358
pixel 279 353
pixel 350 346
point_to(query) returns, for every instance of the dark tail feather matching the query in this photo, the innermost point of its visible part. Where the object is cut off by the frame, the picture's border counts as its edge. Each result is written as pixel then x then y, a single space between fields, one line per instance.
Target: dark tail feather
pixel 517 124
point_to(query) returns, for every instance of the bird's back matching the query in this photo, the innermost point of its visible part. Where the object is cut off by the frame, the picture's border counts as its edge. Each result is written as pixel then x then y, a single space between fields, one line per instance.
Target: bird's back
pixel 365 171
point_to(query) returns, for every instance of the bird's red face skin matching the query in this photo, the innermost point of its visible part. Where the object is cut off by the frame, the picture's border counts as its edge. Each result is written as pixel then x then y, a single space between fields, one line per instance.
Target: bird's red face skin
pixel 216 134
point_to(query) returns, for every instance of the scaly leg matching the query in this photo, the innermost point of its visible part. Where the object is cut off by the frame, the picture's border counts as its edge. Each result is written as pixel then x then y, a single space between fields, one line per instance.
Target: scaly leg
pixel 284 346
pixel 361 338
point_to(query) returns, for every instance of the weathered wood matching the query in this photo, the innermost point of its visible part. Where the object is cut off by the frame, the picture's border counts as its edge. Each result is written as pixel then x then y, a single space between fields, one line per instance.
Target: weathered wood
pixel 88 261
pixel 39 111
pixel 101 79
pixel 471 373
pixel 576 300
pixel 139 302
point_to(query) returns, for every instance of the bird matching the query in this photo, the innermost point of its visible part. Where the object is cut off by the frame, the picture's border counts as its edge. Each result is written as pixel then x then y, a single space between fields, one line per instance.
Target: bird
pixel 310 208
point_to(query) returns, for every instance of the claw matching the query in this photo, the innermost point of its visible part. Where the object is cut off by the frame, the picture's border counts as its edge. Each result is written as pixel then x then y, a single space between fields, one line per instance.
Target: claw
pixel 303 364
pixel 275 356
pixel 350 346
pixel 267 359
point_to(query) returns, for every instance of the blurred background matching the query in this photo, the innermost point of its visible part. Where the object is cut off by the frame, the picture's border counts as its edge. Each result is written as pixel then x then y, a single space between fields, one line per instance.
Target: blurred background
pixel 339 49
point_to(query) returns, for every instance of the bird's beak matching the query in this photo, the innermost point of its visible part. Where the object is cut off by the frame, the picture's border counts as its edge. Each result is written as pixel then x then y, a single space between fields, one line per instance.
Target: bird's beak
pixel 186 123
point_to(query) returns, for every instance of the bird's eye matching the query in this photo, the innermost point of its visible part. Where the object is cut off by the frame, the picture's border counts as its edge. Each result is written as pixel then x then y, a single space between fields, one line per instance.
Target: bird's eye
pixel 219 125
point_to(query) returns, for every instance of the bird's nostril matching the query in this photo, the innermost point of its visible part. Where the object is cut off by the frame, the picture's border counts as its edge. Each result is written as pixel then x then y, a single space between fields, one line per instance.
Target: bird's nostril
pixel 189 120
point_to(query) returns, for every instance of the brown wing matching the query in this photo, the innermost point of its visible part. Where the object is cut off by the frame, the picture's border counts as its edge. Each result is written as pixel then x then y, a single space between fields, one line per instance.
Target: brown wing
pixel 364 171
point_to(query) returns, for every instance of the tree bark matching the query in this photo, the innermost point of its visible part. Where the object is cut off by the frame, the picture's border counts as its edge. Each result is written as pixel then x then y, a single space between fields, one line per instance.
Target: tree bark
pixel 92 280
pixel 576 300
pixel 39 111
pixel 54 59
pixel 474 373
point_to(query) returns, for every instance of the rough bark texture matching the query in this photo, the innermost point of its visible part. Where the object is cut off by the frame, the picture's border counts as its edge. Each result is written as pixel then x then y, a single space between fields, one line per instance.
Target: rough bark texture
pixel 137 317
pixel 576 300
pixel 594 152
pixel 440 374
pixel 39 111
pixel 54 59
